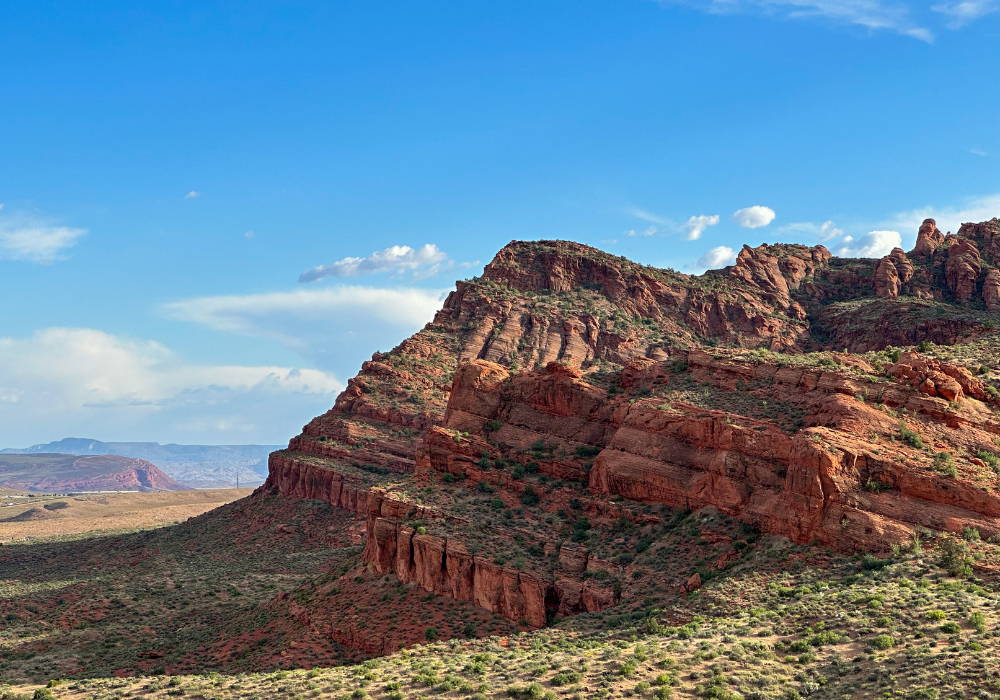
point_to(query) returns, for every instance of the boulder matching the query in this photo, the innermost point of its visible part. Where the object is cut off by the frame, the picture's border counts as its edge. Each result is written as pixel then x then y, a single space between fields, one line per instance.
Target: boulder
pixel 991 290
pixel 962 269
pixel 928 239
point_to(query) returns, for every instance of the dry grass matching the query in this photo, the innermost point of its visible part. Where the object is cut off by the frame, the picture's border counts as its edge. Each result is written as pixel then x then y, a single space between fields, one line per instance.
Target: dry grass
pixel 112 511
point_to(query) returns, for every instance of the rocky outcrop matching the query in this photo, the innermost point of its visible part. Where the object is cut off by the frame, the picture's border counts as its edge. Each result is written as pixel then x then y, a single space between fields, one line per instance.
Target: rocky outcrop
pixel 444 566
pixel 991 290
pixel 805 486
pixel 558 359
pixel 928 239
pixel 891 273
pixel 933 377
pixel 886 279
pixel 987 233
pixel 962 269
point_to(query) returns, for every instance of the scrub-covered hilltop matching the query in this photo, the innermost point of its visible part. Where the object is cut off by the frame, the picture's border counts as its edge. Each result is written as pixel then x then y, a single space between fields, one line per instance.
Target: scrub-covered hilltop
pixel 567 397
pixel 590 478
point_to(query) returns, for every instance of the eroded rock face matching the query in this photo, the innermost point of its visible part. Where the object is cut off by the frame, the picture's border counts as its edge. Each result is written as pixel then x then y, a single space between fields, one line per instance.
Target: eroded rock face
pixel 805 486
pixel 445 567
pixel 566 308
pixel 928 239
pixel 891 273
pixel 962 269
pixel 903 265
pixel 991 290
pixel 886 279
pixel 987 233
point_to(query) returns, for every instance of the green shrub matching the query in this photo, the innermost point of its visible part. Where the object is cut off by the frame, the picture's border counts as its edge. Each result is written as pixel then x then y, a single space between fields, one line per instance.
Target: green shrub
pixel 951 628
pixel 566 678
pixel 992 461
pixel 883 642
pixel 970 534
pixel 872 563
pixel 944 462
pixel 978 620
pixel 44 694
pixel 910 437
pixel 430 634
pixel 955 557
pixel 936 615
pixel 530 497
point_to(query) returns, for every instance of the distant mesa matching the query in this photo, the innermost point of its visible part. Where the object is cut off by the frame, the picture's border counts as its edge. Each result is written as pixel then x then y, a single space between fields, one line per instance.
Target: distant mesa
pixel 61 473
pixel 198 466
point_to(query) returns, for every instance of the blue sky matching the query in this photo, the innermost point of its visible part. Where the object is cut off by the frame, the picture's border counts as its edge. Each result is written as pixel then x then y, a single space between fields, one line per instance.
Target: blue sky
pixel 193 193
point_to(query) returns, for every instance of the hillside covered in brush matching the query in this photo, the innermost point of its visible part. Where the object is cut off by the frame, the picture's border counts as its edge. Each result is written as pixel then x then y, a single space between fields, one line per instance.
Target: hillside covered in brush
pixel 592 478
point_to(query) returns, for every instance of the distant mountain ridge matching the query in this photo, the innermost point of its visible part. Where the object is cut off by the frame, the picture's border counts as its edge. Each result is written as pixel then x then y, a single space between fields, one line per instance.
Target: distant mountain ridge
pixel 58 473
pixel 200 466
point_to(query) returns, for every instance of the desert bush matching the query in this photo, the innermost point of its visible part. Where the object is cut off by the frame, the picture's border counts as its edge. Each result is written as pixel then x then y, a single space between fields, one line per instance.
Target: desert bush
pixel 909 436
pixel 991 459
pixel 978 621
pixel 955 557
pixel 883 642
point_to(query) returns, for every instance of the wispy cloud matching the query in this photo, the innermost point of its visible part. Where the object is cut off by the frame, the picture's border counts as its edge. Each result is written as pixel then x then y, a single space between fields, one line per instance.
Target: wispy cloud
pixel 966 11
pixel 948 218
pixel 873 15
pixel 340 320
pixel 36 240
pixel 978 152
pixel 823 232
pixel 754 217
pixel 423 262
pixel 696 225
pixel 647 216
pixel 192 194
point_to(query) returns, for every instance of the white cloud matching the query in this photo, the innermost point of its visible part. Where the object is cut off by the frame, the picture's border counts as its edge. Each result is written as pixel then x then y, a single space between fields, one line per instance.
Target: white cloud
pixel 874 244
pixel 423 262
pixel 192 194
pixel 823 232
pixel 974 209
pixel 717 257
pixel 966 11
pixel 248 235
pixel 978 152
pixel 78 381
pixel 647 216
pixel 871 14
pixel 29 238
pixel 754 217
pixel 696 225
pixel 336 327
pixel 648 232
